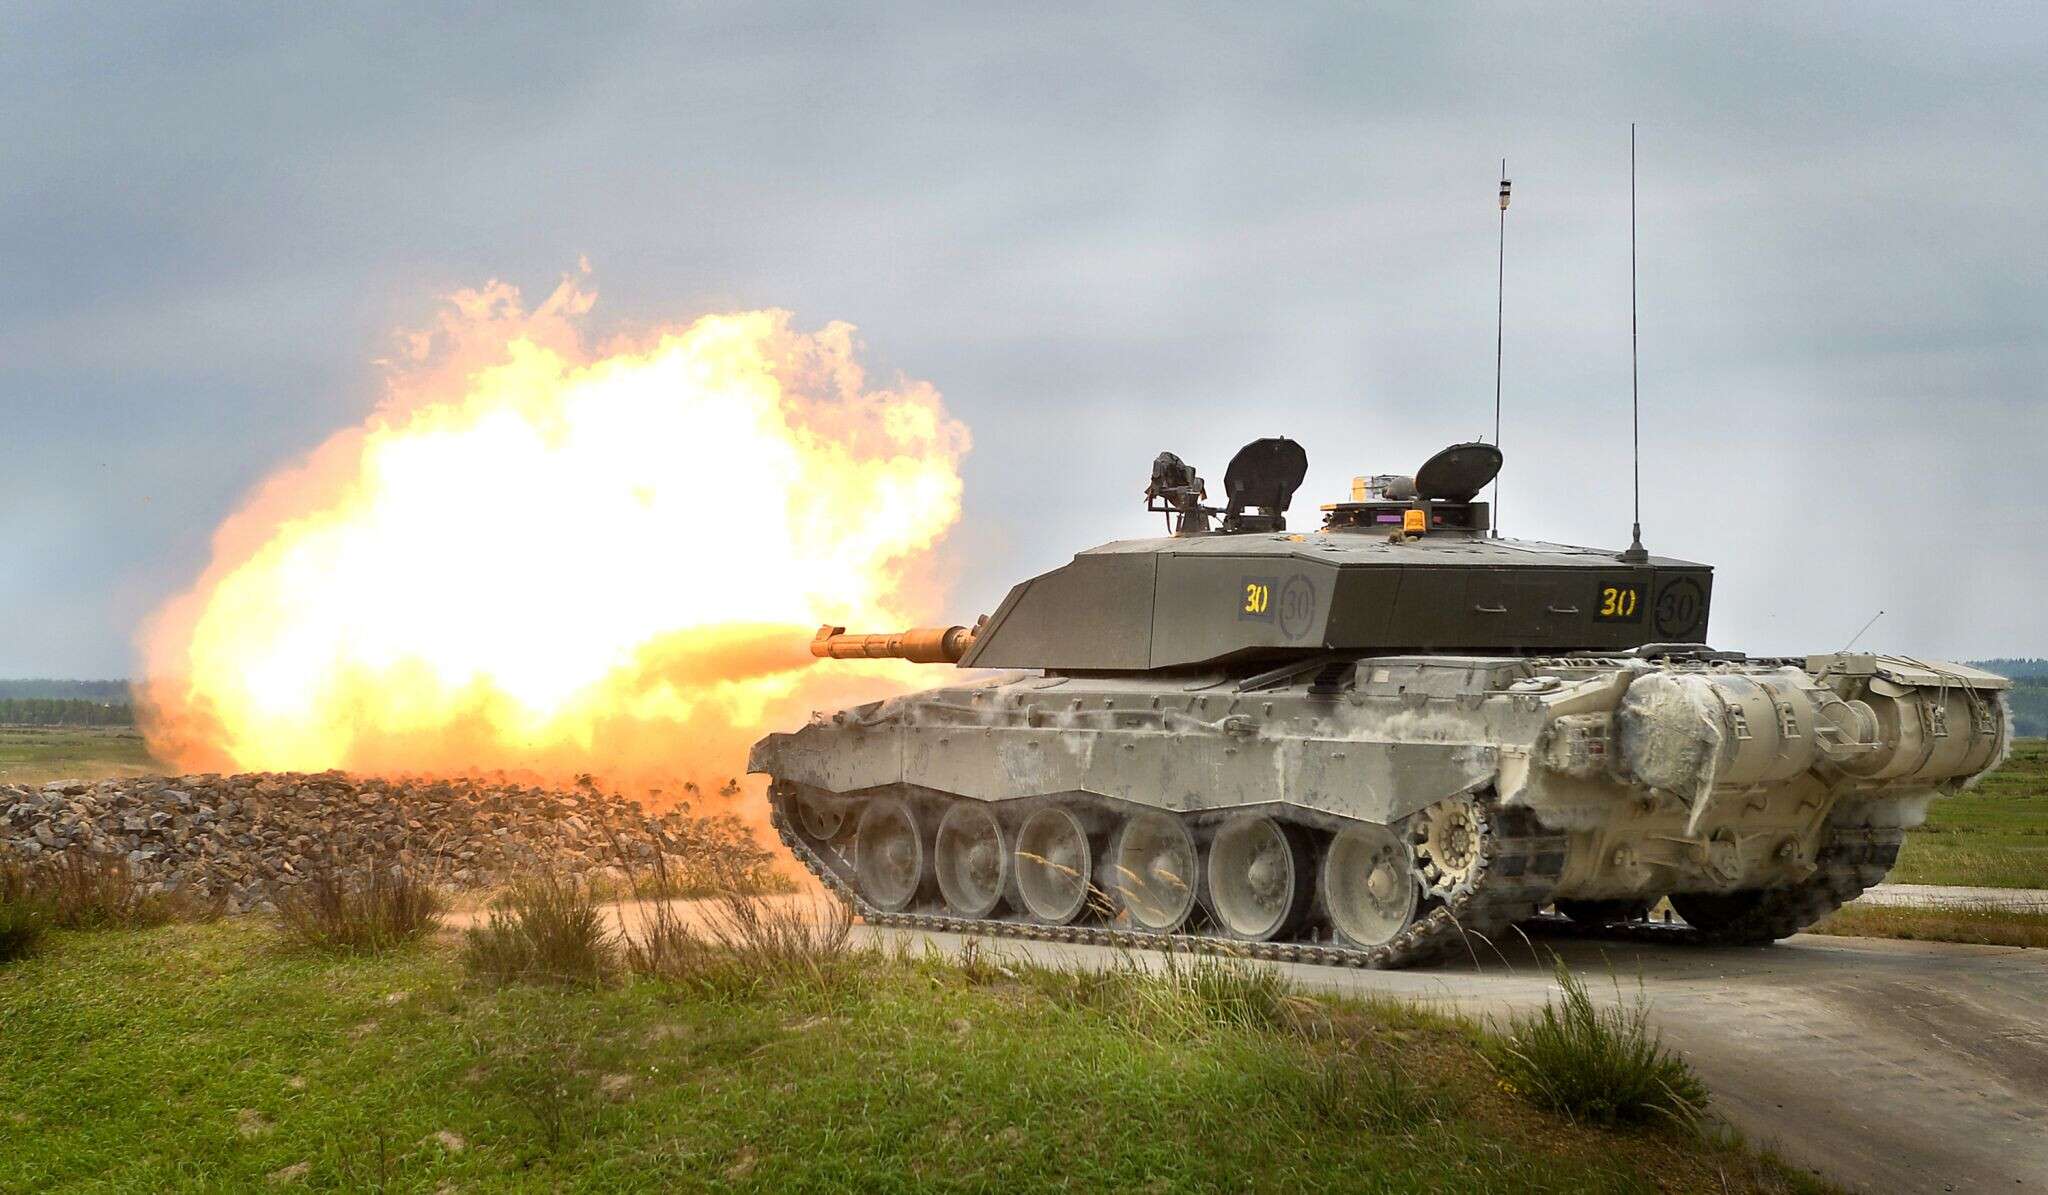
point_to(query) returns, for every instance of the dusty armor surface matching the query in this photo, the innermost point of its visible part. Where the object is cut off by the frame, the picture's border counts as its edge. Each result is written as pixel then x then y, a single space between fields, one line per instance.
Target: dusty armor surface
pixel 1361 743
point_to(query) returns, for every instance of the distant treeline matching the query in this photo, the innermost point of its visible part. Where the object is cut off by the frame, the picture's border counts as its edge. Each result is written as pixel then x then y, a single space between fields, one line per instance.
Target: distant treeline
pixel 2029 692
pixel 102 691
pixel 64 711
pixel 2030 707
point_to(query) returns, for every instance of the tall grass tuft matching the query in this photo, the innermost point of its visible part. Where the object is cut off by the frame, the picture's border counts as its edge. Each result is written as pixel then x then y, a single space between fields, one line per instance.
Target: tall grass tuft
pixel 739 938
pixel 22 926
pixel 547 929
pixel 25 914
pixel 337 913
pixel 78 890
pixel 1185 995
pixel 1601 1066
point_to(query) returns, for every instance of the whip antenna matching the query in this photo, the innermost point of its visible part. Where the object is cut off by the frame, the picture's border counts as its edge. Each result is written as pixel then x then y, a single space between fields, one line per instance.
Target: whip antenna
pixel 1858 635
pixel 1499 309
pixel 1636 553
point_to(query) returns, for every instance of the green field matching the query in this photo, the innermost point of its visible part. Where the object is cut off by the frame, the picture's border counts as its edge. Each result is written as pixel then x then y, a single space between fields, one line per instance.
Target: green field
pixel 211 1057
pixel 37 754
pixel 1995 835
pixel 1982 925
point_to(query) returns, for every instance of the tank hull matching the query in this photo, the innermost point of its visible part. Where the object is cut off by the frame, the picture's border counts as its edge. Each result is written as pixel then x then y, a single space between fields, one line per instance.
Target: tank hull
pixel 1382 808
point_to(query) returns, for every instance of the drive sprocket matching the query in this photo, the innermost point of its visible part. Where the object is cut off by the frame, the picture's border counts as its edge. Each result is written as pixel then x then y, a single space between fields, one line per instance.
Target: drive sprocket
pixel 1448 837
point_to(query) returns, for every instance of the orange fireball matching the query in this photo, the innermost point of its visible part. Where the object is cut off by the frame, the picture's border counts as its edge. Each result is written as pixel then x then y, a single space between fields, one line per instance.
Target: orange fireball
pixel 543 557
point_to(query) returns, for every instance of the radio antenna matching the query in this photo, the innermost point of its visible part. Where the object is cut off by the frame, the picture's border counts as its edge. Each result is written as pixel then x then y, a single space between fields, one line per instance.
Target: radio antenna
pixel 1500 260
pixel 1636 553
pixel 1858 635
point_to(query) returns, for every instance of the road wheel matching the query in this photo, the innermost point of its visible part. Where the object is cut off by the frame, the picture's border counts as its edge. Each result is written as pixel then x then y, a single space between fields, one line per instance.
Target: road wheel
pixel 1152 872
pixel 1055 866
pixel 820 819
pixel 889 854
pixel 972 858
pixel 1259 879
pixel 1370 889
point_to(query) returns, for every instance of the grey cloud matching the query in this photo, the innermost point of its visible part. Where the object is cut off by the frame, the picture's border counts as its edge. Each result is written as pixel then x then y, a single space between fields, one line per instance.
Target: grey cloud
pixel 1147 227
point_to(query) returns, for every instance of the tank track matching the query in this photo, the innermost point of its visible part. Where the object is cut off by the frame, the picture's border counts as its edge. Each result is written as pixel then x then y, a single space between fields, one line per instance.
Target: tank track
pixel 1519 865
pixel 1854 859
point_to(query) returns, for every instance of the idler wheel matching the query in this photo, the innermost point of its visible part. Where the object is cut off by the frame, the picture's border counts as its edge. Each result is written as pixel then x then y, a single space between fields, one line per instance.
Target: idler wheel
pixel 1152 871
pixel 889 854
pixel 1258 878
pixel 822 821
pixel 1370 888
pixel 1055 866
pixel 972 858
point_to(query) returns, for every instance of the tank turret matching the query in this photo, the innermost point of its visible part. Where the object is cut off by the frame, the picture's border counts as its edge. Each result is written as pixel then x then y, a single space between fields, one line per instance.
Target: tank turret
pixel 1407 565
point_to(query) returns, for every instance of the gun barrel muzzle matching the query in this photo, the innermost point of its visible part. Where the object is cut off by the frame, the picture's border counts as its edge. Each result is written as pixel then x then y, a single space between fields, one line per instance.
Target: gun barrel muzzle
pixel 921 645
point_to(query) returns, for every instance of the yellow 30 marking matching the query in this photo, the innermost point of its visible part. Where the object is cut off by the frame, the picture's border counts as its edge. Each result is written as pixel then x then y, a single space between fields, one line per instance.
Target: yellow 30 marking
pixel 1619 601
pixel 1257 598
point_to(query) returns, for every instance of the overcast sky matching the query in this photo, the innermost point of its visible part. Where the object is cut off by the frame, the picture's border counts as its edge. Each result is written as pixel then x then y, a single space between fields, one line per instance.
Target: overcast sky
pixel 1133 230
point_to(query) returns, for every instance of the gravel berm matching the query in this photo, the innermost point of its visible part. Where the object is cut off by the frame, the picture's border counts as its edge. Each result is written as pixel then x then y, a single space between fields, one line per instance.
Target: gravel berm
pixel 240 839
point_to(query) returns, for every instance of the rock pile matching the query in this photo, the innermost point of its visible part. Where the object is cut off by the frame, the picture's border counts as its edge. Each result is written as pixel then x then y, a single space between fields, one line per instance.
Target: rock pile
pixel 242 839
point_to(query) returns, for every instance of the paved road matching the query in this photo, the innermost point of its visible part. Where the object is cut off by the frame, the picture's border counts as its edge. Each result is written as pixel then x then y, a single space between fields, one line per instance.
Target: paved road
pixel 1887 1066
pixel 2024 900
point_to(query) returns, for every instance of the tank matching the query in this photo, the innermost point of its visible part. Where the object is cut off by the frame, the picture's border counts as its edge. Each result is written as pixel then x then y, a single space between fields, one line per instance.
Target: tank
pixel 1365 744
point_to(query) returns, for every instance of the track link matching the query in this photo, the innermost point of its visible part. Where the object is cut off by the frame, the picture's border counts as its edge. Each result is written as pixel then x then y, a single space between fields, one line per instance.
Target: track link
pixel 1520 864
pixel 1855 858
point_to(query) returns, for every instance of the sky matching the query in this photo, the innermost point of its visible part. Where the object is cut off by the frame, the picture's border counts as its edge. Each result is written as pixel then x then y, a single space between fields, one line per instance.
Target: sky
pixel 1100 233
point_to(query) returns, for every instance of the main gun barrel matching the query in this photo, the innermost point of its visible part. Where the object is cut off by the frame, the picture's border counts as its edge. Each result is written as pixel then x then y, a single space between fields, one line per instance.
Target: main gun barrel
pixel 922 645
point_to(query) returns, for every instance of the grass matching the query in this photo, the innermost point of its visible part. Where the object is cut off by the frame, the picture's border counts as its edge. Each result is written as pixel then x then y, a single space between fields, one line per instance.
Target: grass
pixel 80 891
pixel 1598 1065
pixel 545 929
pixel 1182 997
pixel 1995 835
pixel 1984 925
pixel 735 943
pixel 76 890
pixel 736 940
pixel 25 913
pixel 39 754
pixel 23 924
pixel 203 1056
pixel 339 913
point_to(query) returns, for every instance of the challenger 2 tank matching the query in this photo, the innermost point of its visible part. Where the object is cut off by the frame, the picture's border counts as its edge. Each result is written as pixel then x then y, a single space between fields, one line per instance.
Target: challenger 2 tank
pixel 1363 743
